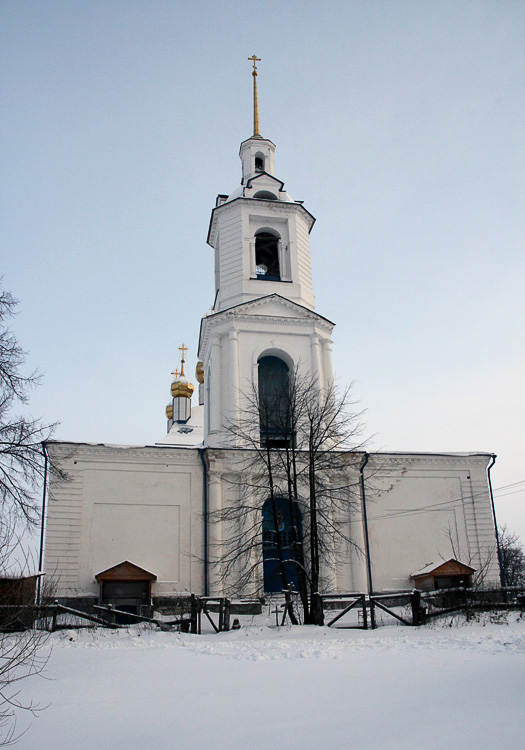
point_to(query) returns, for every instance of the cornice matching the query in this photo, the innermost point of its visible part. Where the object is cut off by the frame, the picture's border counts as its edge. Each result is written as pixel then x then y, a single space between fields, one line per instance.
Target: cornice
pixel 245 314
pixel 380 460
pixel 101 452
pixel 221 458
pixel 276 206
pixel 257 140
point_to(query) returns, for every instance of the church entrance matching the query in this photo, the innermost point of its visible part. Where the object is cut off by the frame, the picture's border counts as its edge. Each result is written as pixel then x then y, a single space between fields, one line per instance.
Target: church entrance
pixel 277 531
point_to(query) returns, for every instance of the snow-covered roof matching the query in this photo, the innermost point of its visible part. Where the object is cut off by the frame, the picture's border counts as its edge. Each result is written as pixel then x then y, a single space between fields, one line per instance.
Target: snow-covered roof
pixel 186 435
pixel 434 566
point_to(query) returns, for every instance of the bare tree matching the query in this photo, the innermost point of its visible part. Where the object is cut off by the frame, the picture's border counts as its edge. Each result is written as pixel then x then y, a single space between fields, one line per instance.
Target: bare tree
pixel 512 558
pixel 21 472
pixel 21 437
pixel 295 487
pixel 481 561
pixel 21 653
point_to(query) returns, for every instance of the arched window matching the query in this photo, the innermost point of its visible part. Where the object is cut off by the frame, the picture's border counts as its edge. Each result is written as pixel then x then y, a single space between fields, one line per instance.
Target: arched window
pixel 259 163
pixel 282 535
pixel 267 256
pixel 274 402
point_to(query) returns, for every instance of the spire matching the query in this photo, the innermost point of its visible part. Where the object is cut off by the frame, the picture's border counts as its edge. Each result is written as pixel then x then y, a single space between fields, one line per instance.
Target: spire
pixel 256 133
pixel 183 349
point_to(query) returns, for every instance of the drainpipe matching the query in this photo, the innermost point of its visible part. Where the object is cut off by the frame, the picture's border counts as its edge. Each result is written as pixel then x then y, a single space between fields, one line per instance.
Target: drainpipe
pixel 205 514
pixel 41 555
pixel 365 522
pixel 498 546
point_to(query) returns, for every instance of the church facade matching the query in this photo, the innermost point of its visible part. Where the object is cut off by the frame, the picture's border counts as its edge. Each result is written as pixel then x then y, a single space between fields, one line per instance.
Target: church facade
pixel 137 522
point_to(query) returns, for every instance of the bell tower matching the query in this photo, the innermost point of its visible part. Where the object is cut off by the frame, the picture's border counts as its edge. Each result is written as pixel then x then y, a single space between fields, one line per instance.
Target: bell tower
pixel 264 301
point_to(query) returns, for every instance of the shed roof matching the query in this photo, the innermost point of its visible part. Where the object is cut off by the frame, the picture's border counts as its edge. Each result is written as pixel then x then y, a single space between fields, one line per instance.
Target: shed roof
pixel 444 567
pixel 127 571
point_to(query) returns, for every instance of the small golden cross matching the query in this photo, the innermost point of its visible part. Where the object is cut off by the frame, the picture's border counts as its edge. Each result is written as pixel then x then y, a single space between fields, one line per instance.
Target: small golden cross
pixel 176 373
pixel 254 59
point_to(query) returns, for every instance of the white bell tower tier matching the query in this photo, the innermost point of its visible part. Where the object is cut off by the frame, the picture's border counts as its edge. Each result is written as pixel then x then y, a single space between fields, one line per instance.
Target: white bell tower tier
pixel 233 342
pixel 260 236
pixel 264 300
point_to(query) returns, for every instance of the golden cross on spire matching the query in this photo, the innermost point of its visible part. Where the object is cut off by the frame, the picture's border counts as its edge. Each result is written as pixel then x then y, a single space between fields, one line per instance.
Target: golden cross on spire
pixel 255 59
pixel 182 349
pixel 176 373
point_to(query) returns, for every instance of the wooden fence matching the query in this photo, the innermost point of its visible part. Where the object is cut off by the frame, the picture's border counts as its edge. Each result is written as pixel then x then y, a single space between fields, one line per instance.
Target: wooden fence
pixel 417 607
pixel 408 607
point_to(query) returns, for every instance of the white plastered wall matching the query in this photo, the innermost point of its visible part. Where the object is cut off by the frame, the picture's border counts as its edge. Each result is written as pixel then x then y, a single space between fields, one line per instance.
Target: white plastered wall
pixel 141 504
pixel 420 507
pixel 425 507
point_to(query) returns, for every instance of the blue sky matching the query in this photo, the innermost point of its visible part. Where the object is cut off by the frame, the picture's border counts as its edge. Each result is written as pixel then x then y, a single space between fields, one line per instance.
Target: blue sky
pixel 400 124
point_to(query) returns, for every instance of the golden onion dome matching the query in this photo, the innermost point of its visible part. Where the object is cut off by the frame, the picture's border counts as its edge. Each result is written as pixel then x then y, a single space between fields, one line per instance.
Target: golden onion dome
pixel 181 386
pixel 199 372
pixel 169 411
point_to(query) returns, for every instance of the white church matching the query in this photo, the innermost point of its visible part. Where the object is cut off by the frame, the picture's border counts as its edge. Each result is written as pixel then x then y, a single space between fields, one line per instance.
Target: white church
pixel 140 524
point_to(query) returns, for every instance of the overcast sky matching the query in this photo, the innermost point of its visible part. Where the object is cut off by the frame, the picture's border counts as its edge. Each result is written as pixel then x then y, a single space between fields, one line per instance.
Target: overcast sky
pixel 401 126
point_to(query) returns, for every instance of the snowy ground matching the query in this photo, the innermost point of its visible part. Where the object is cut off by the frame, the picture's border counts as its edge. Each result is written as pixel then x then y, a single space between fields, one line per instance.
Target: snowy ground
pixel 260 687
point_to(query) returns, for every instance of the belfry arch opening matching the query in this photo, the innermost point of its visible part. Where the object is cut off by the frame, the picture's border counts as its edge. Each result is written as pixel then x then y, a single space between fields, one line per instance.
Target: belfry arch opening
pixel 259 162
pixel 276 430
pixel 267 256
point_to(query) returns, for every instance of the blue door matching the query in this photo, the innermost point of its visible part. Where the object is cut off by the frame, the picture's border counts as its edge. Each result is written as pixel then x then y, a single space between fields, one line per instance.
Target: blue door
pixel 272 532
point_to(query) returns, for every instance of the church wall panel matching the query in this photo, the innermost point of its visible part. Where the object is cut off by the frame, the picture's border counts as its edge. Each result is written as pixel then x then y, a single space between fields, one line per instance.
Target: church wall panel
pixel 427 513
pixel 141 504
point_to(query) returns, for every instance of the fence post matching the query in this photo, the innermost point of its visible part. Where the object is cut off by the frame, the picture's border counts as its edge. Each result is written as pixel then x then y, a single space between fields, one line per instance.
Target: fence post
pixel 193 614
pixel 372 614
pixel 226 620
pixel 316 605
pixel 55 615
pixel 111 615
pixel 365 614
pixel 221 614
pixel 416 607
pixel 468 610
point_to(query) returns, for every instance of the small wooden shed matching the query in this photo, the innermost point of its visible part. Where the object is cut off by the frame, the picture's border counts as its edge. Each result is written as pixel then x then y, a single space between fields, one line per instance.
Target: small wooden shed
pixel 17 599
pixel 126 586
pixel 443 574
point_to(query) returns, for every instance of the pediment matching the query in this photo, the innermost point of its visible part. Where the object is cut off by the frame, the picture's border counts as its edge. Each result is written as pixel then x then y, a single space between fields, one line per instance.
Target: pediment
pixel 272 307
pixel 276 306
pixel 261 182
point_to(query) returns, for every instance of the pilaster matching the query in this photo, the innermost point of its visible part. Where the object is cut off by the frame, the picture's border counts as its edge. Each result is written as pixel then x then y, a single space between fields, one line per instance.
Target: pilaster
pixel 215 581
